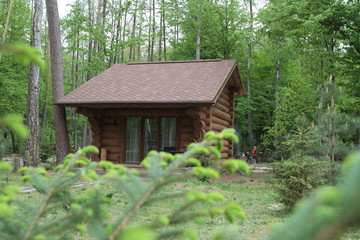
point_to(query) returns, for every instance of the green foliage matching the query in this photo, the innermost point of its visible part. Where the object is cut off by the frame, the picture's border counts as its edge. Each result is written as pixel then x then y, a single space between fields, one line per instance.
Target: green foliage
pixel 23 53
pixel 15 123
pixel 297 177
pixel 86 212
pixel 328 211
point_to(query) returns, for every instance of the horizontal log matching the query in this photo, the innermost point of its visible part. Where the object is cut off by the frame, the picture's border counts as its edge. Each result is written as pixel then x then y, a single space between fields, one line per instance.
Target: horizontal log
pixel 187 129
pixel 225 143
pixel 220 114
pixel 220 121
pixel 185 119
pixel 224 102
pixel 222 107
pixel 110 135
pixel 111 128
pixel 225 149
pixel 194 114
pixel 217 127
pixel 110 142
pixel 226 91
pixel 225 96
pixel 112 149
pixel 187 138
pixel 113 157
pixel 224 156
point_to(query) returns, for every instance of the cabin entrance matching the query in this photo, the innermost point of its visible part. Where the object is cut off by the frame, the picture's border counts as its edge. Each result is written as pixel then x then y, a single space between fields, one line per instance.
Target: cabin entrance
pixel 144 134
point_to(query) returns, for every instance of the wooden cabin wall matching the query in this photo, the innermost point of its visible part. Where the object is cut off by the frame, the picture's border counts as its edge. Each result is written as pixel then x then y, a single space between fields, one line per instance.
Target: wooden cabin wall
pixel 109 134
pixel 185 130
pixel 222 117
pixel 95 132
pixel 113 138
pixel 215 118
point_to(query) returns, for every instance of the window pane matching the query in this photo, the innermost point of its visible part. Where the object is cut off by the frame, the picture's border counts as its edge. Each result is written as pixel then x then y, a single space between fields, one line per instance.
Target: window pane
pixel 167 133
pixel 133 129
pixel 150 135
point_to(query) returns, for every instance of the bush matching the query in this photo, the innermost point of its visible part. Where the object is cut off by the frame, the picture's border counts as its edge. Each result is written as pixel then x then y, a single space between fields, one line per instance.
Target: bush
pixel 296 178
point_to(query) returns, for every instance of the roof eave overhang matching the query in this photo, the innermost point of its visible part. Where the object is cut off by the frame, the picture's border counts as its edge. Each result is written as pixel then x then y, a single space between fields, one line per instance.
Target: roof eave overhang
pixel 136 104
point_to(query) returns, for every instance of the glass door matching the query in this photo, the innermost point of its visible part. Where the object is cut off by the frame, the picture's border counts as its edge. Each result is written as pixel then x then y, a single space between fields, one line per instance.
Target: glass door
pixel 150 135
pixel 133 135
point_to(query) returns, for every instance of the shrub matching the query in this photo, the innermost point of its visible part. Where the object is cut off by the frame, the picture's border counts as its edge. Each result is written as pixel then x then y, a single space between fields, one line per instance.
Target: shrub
pixel 296 178
pixel 328 211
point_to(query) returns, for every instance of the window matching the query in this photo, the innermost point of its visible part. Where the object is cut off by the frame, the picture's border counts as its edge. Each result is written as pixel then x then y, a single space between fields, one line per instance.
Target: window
pixel 167 133
pixel 146 134
pixel 150 135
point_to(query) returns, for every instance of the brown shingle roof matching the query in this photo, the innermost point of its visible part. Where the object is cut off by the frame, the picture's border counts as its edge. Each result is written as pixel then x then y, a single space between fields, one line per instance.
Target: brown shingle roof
pixel 156 82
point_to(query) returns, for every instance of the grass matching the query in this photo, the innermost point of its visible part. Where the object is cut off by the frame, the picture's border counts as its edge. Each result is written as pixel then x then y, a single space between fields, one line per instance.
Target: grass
pixel 254 193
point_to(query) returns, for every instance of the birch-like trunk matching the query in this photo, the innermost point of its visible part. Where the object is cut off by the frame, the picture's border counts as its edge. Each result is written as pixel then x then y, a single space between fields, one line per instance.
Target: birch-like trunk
pixel 32 118
pixel 6 24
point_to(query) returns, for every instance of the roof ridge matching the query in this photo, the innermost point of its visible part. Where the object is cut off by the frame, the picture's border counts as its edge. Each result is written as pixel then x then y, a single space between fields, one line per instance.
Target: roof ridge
pixel 181 61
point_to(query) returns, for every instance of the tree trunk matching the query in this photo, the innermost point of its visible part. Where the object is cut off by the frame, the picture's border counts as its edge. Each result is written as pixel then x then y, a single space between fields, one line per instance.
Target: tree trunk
pixel 237 131
pixel 149 35
pixel 84 141
pixel 6 24
pixel 132 45
pixel 277 83
pixel 124 33
pixel 358 131
pixel 61 132
pixel 15 146
pixel 164 29
pixel 249 114
pixel 198 39
pixel 160 37
pixel 46 94
pixel 32 120
pixel 153 32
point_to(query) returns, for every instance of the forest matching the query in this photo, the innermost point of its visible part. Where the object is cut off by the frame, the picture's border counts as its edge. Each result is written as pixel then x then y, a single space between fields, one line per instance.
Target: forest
pixel 299 62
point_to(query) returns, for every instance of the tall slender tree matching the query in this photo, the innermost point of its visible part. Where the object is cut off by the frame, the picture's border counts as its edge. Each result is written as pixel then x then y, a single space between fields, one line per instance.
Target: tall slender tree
pixel 61 132
pixel 248 77
pixel 3 36
pixel 32 119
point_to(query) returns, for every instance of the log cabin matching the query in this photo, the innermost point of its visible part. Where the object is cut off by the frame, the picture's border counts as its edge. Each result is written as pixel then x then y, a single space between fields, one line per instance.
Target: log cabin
pixel 137 107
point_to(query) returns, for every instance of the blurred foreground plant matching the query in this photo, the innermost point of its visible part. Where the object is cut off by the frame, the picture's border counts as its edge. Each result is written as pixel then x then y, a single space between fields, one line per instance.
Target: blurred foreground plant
pixel 86 211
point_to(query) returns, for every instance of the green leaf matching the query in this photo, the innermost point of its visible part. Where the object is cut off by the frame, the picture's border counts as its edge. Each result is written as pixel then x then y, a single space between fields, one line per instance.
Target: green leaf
pixel 5 167
pixel 24 54
pixel 216 152
pixel 15 123
pixel 137 234
pixel 232 165
pixel 191 234
pixel 90 149
pixel 233 211
pixel 194 161
pixel 5 210
pixel 202 172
